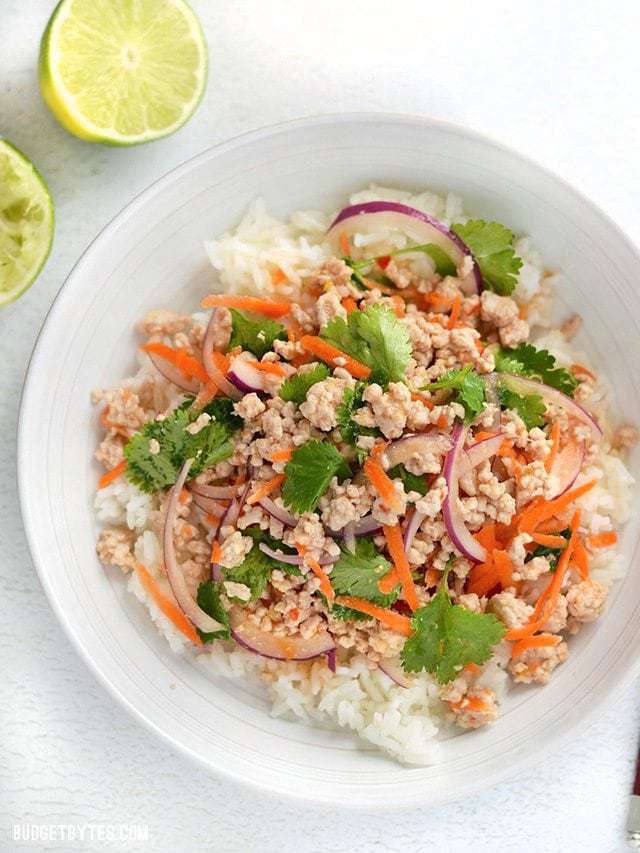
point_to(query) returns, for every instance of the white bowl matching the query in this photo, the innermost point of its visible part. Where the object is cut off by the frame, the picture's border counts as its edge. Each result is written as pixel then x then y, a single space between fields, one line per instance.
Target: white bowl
pixel 152 255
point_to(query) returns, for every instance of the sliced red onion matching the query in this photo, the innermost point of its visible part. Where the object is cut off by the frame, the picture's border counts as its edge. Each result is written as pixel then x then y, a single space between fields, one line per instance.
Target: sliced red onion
pixel 367 526
pixel 216 571
pixel 175 576
pixel 522 385
pixel 349 536
pixel 219 492
pixel 331 660
pixel 245 377
pixel 451 510
pixel 412 528
pixel 392 668
pixel 480 452
pixel 208 505
pixel 215 374
pixel 374 216
pixel 265 643
pixel 404 448
pixel 278 512
pixel 290 559
pixel 567 466
pixel 173 374
pixel 235 507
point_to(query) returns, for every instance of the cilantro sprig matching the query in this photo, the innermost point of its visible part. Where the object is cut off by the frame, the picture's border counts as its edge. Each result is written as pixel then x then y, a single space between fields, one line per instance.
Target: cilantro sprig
pixel 153 471
pixel 447 637
pixel 309 472
pixel 350 430
pixel 376 338
pixel 527 360
pixel 296 387
pixel 492 247
pixel 358 574
pixel 530 407
pixel 208 598
pixel 467 388
pixel 256 336
pixel 443 264
pixel 255 570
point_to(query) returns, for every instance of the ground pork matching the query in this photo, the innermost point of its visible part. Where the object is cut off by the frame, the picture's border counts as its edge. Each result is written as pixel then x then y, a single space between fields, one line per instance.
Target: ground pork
pixel 476 709
pixel 536 665
pixel 115 547
pixel 323 399
pixel 390 407
pixel 586 600
pixel 503 312
pixel 234 549
pixel 510 610
pixel 161 323
pixel 329 306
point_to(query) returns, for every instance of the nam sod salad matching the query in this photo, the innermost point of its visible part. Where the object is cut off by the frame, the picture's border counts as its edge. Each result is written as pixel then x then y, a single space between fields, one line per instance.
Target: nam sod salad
pixel 368 471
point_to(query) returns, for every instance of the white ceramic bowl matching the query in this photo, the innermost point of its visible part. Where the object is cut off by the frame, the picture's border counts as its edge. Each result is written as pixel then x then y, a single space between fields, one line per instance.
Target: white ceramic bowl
pixel 152 255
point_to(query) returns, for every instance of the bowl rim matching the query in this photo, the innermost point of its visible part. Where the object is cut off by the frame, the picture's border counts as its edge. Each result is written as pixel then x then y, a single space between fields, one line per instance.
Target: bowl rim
pixel 519 762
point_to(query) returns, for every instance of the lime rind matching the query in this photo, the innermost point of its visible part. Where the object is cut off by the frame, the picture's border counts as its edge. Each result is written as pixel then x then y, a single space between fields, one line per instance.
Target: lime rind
pixel 64 104
pixel 26 222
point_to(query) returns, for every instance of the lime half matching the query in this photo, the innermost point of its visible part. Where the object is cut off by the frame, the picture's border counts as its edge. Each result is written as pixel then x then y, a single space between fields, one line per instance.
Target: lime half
pixel 26 222
pixel 122 71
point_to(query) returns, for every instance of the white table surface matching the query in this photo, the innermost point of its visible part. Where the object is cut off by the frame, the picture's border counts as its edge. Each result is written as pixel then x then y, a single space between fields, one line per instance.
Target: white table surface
pixel 558 81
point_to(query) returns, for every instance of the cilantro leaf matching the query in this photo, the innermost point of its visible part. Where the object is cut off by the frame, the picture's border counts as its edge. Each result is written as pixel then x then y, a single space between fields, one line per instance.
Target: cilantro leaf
pixel 309 472
pixel 348 614
pixel 296 387
pixel 468 387
pixel 530 407
pixel 350 431
pixel 552 553
pixel 256 336
pixel 208 599
pixel 443 263
pixel 358 573
pixel 153 472
pixel 447 637
pixel 221 409
pixel 258 535
pixel 412 482
pixel 254 571
pixel 527 360
pixel 492 247
pixel 376 338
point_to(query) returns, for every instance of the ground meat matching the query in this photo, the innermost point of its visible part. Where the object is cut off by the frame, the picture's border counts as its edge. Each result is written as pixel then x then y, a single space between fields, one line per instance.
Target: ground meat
pixel 249 407
pixel 503 312
pixel 234 549
pixel 321 405
pixel 510 610
pixel 476 708
pixel 470 601
pixel 431 503
pixel 517 551
pixel 221 321
pixel 368 638
pixel 332 272
pixel 586 600
pixel 401 276
pixel 625 436
pixel 114 548
pixel 329 306
pixel 110 451
pixel 536 665
pixel 161 323
pixel 390 407
pixel 344 502
pixel 386 514
pixel 532 570
pixel 237 590
pixel 535 480
pixel 571 326
pixel 557 621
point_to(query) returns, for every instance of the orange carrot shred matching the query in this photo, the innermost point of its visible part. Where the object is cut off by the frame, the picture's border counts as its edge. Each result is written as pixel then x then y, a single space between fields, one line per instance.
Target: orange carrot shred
pixel 396 621
pixel 173 613
pixel 581 559
pixel 581 370
pixel 431 578
pixel 393 535
pixel 548 540
pixel 267 307
pixel 188 365
pixel 345 248
pixel 531 517
pixel 270 367
pixel 455 311
pixel 330 354
pixel 381 482
pixel 216 551
pixel 349 304
pixel 540 641
pixel 325 584
pixel 602 540
pixel 112 475
pixel 555 441
pixel 265 489
pixel 277 277
pixel 422 399
pixel 281 455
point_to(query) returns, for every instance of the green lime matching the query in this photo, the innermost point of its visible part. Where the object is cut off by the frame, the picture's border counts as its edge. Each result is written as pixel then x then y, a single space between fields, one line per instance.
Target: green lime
pixel 122 71
pixel 26 222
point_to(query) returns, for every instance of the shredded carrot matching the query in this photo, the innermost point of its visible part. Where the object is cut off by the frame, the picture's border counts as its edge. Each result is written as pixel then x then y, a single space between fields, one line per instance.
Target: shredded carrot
pixel 504 567
pixel 483 435
pixel 441 423
pixel 330 354
pixel 538 642
pixel 602 540
pixel 431 578
pixel 421 399
pixel 455 311
pixel 247 303
pixel 107 424
pixel 552 525
pixel 188 365
pixel 221 360
pixel 173 613
pixel 581 370
pixel 349 304
pixel 439 300
pixel 395 621
pixel 486 536
pixel 472 668
pixel 548 540
pixel 555 444
pixel 395 545
pixel 281 455
pixel 184 497
pixel 372 284
pixel 531 518
pixel 265 489
pixel 270 367
pixel 216 551
pixel 294 330
pixel 469 703
pixel 479 345
pixel 523 312
pixel 277 277
pixel 206 394
pixel 399 308
pixel 325 584
pixel 581 559
pixel 381 482
pixel 112 475
pixel 345 248
pixel 483 577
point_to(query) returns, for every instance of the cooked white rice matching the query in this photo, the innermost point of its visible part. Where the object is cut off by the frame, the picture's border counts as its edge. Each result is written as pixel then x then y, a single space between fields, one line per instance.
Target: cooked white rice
pixel 406 723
